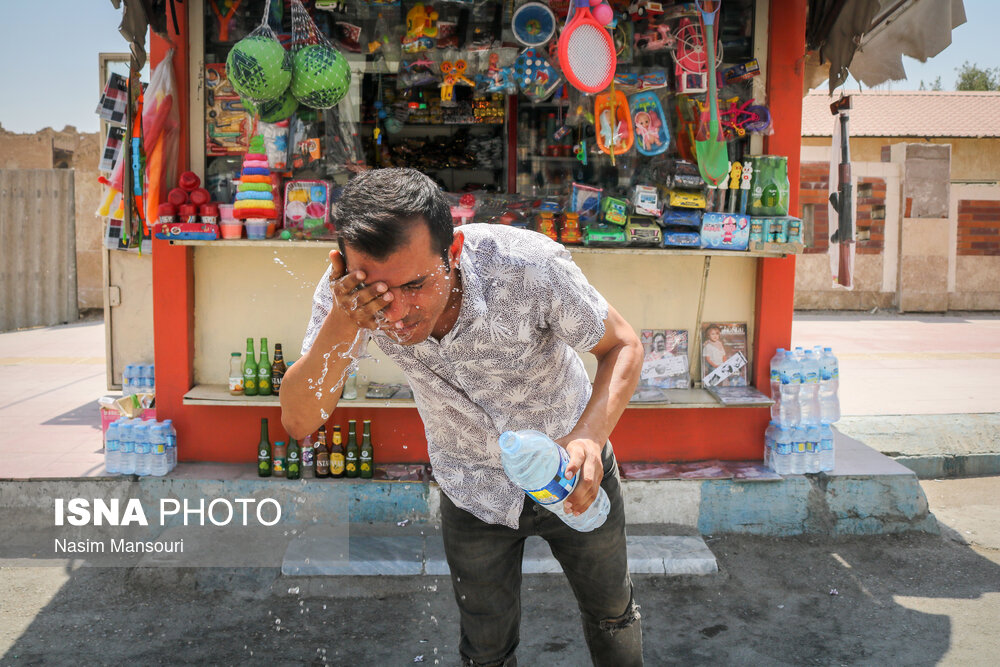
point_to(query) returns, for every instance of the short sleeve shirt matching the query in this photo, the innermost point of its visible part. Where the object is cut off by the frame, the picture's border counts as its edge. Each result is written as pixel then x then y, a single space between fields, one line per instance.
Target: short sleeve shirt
pixel 510 362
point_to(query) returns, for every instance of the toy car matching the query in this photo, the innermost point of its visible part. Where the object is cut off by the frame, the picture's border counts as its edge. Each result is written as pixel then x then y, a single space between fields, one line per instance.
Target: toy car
pixel 687 199
pixel 642 9
pixel 657 39
pixel 643 231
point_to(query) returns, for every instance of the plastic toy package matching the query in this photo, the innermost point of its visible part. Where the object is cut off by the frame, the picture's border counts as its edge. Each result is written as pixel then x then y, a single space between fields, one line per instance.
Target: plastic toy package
pixel 307 210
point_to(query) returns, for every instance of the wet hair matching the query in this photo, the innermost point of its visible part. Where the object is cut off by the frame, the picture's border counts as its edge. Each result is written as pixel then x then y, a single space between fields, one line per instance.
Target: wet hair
pixel 379 208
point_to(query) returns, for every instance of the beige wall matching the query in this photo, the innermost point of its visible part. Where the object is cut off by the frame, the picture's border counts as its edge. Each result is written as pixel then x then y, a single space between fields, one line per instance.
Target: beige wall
pixel 36 151
pixel 972 159
pixel 246 291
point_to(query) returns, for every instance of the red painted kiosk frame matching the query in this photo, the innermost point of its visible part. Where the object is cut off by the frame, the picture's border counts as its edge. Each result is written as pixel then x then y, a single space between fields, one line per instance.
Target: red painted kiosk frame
pixel 229 434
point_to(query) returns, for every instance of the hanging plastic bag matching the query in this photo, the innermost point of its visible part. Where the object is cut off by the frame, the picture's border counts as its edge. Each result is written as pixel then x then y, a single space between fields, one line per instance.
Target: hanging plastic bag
pixel 161 132
pixel 258 66
pixel 320 73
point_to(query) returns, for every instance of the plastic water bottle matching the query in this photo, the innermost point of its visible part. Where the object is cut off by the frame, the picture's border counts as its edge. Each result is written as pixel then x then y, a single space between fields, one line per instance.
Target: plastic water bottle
pixel 791 382
pixel 538 465
pixel 152 379
pixel 776 361
pixel 826 456
pixel 829 384
pixel 798 450
pixel 171 435
pixel 157 450
pixel 142 455
pixel 112 454
pixel 128 380
pixel 126 446
pixel 809 391
pixel 782 458
pixel 769 434
pixel 812 448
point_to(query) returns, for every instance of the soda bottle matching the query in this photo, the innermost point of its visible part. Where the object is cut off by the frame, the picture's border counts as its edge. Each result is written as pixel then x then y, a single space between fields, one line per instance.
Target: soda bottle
pixel 236 374
pixel 322 455
pixel 337 459
pixel 294 464
pixel 367 457
pixel 249 371
pixel 277 370
pixel 263 371
pixel 537 464
pixel 351 457
pixel 279 458
pixel 264 451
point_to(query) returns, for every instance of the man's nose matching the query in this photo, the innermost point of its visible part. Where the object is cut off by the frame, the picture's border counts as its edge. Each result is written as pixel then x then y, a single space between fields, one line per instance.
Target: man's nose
pixel 399 307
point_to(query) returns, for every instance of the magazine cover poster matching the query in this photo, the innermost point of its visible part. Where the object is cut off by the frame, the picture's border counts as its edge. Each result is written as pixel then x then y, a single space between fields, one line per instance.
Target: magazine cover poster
pixel 664 363
pixel 724 360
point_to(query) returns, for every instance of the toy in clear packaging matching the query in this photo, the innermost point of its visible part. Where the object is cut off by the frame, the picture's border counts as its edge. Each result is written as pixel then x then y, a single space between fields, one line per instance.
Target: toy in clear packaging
pixel 643 231
pixel 569 231
pixel 615 134
pixel 585 200
pixel 652 134
pixel 536 76
pixel 615 211
pixel 646 200
pixel 307 209
pixel 421 28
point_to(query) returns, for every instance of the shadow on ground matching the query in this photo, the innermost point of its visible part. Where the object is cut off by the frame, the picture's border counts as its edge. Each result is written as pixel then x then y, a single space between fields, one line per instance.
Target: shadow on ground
pixel 790 601
pixel 86 415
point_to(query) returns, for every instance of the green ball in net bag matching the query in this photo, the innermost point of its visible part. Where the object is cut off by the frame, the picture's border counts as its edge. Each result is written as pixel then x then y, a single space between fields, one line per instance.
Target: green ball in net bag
pixel 259 68
pixel 321 76
pixel 274 110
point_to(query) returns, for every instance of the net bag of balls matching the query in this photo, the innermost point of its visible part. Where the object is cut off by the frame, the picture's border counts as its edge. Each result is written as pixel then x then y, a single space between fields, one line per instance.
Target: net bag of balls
pixel 320 73
pixel 258 66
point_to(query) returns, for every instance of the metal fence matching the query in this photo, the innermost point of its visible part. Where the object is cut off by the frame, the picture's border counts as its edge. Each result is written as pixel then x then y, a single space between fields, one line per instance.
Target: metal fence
pixel 37 248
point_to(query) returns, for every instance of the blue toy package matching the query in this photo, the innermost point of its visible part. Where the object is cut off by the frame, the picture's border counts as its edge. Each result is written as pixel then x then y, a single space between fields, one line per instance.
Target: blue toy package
pixel 725 231
pixel 586 200
pixel 680 217
pixel 678 237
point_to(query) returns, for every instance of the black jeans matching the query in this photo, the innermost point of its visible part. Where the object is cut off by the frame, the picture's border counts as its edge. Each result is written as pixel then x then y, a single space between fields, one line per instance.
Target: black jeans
pixel 485 563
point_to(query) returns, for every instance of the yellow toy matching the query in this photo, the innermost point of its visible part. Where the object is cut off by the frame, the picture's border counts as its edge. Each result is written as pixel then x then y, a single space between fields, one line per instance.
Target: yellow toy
pixel 420 23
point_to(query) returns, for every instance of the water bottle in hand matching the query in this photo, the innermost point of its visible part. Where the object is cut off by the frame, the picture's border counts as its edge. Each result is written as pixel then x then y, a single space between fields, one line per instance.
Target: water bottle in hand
pixel 537 464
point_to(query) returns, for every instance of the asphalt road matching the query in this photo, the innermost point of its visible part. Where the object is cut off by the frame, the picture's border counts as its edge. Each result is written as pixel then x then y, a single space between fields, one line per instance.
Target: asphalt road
pixel 907 600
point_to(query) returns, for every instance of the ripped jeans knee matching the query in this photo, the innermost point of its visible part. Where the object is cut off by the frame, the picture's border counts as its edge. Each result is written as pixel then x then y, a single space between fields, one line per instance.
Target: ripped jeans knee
pixel 629 618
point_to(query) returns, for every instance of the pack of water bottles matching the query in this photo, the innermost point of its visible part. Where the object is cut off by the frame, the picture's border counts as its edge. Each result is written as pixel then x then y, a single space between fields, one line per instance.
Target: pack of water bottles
pixel 139 379
pixel 804 386
pixel 140 447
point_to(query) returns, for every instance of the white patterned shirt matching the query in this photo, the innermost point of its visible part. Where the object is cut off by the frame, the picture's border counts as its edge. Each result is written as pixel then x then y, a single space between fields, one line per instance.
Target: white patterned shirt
pixel 507 364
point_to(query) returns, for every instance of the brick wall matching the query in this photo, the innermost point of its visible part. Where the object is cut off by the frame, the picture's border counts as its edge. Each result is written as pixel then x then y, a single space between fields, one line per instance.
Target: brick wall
pixel 814 192
pixel 978 227
pixel 869 221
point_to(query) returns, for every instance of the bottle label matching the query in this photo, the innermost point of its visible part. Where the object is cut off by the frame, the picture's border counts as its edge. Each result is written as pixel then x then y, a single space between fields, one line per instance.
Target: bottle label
pixel 249 384
pixel 293 457
pixel 790 377
pixel 775 375
pixel 236 383
pixel 351 467
pixel 556 490
pixel 159 449
pixel 800 447
pixel 784 448
pixel 826 444
pixel 264 384
pixel 825 374
pixel 336 464
pixel 810 378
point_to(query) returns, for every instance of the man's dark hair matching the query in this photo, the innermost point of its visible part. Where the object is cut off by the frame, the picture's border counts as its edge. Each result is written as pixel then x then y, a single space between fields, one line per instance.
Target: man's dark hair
pixel 378 208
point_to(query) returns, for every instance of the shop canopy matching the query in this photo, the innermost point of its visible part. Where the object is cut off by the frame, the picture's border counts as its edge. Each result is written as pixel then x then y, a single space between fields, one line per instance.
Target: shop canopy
pixel 868 38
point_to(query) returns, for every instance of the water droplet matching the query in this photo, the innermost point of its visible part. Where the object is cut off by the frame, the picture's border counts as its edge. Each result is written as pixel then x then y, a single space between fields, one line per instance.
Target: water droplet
pixel 293 591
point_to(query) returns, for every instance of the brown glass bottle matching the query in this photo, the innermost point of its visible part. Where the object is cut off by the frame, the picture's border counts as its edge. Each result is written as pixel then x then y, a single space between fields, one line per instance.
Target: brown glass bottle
pixel 322 456
pixel 337 460
pixel 277 370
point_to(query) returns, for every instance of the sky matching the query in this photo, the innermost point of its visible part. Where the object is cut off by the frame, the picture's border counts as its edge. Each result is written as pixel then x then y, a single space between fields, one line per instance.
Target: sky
pixel 49 50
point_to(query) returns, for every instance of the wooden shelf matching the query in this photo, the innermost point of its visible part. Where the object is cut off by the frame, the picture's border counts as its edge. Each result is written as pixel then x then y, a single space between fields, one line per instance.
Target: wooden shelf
pixel 580 250
pixel 218 395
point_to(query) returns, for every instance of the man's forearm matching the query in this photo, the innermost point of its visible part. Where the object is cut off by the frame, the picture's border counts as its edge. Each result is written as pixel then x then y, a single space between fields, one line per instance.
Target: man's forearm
pixel 312 386
pixel 616 379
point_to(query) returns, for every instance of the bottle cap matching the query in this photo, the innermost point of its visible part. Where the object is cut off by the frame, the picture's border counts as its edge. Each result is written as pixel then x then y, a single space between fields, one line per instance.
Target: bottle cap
pixel 234 354
pixel 189 181
pixel 828 349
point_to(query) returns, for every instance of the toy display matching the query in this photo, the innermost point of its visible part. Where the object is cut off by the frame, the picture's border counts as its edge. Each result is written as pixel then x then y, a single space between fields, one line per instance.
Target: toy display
pixel 610 145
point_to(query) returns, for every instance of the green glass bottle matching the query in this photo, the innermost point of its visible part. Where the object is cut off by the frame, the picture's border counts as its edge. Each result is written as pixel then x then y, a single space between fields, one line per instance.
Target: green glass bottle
pixel 249 371
pixel 367 453
pixel 294 465
pixel 263 371
pixel 351 458
pixel 264 451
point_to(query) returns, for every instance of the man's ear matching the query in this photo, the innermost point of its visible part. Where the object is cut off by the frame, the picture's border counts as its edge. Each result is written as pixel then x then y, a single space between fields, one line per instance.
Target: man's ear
pixel 455 249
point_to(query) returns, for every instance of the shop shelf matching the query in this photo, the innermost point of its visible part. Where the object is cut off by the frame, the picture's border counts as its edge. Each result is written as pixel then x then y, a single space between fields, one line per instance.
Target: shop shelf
pixel 581 250
pixel 218 395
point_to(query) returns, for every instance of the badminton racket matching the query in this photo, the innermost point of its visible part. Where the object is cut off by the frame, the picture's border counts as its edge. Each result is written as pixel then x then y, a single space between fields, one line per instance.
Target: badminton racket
pixel 586 51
